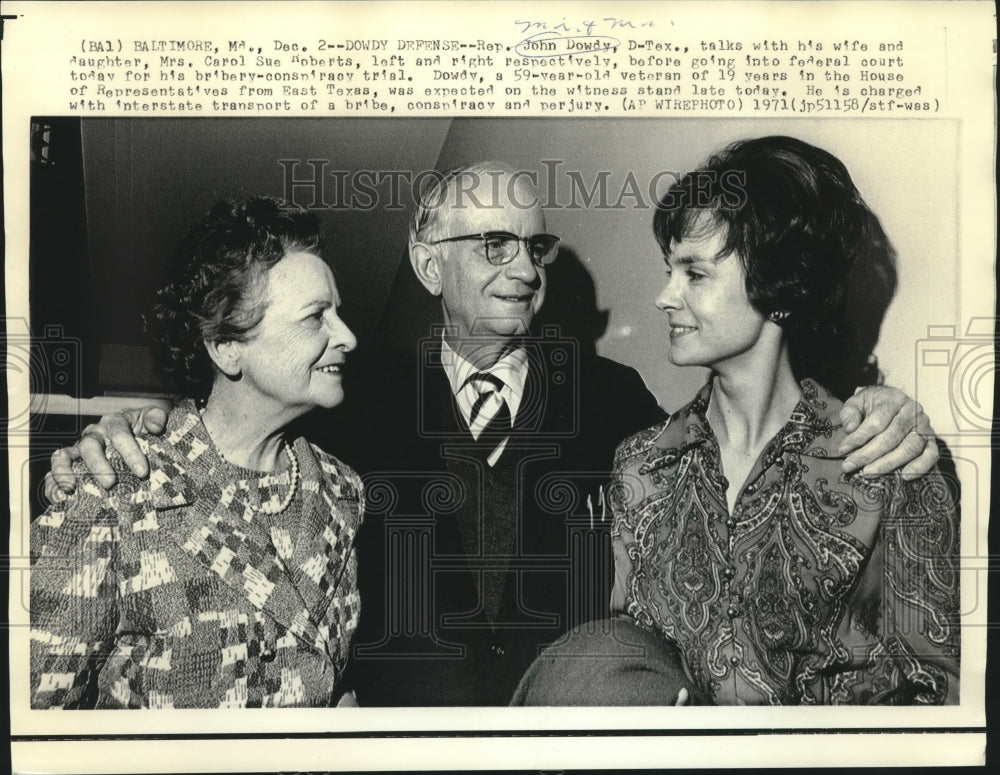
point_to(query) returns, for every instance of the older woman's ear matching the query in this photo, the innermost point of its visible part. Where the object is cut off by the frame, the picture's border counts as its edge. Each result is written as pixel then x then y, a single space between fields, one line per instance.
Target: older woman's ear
pixel 225 356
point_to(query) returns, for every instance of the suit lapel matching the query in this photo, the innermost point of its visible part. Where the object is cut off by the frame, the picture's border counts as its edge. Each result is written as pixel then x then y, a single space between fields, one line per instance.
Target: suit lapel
pixel 439 417
pixel 451 449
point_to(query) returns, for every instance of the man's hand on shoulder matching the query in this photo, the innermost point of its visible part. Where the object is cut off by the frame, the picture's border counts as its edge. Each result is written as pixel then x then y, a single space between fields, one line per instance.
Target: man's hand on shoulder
pixel 117 430
pixel 887 431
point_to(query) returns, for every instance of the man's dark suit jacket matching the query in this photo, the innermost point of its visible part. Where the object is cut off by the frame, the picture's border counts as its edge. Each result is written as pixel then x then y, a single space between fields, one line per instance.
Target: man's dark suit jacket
pixel 467 571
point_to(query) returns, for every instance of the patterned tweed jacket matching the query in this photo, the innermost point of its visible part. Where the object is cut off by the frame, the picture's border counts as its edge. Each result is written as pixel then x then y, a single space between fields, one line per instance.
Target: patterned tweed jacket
pixel 177 591
pixel 819 588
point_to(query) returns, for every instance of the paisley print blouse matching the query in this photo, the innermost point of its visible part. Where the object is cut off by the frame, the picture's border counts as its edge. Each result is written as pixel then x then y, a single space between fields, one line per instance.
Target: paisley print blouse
pixel 819 588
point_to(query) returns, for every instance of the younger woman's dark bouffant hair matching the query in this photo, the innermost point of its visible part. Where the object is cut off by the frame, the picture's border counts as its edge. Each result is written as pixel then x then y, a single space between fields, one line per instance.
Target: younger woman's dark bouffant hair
pixel 812 250
pixel 215 288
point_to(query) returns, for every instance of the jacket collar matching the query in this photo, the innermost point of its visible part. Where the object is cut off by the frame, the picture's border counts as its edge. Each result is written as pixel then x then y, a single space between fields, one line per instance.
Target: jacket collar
pixel 223 529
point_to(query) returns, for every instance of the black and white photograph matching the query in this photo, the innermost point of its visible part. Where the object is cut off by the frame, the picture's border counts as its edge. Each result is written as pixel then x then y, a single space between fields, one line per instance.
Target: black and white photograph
pixel 472 426
pixel 459 347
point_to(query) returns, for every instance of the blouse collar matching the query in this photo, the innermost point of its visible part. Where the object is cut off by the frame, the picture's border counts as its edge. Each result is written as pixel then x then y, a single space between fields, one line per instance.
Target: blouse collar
pixel 813 429
pixel 184 458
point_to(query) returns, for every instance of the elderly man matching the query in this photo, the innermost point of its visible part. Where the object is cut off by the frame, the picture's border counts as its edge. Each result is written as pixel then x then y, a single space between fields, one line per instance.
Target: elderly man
pixel 484 454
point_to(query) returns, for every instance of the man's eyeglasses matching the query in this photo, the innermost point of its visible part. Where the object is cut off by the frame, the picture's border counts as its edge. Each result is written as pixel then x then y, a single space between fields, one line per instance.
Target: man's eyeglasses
pixel 501 246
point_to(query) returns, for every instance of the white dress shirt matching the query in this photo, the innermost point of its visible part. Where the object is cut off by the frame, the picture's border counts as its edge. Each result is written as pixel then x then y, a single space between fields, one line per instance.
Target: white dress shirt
pixel 511 370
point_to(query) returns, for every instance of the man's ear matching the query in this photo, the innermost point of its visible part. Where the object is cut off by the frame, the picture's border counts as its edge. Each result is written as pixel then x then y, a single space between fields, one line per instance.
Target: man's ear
pixel 426 263
pixel 226 356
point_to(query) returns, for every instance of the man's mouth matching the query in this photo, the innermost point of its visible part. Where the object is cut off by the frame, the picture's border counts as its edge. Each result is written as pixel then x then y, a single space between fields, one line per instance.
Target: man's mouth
pixel 515 298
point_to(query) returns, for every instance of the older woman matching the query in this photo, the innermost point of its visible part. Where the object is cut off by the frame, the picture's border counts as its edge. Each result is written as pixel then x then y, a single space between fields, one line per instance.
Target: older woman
pixel 228 577
pixel 737 536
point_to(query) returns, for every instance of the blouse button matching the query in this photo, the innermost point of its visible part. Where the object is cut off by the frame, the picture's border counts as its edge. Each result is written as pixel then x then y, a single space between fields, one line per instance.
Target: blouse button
pixel 729 572
pixel 732 611
pixel 734 660
pixel 731 523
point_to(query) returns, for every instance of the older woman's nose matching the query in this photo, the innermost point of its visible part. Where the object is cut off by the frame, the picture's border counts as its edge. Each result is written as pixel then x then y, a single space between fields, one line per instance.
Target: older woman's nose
pixel 341 336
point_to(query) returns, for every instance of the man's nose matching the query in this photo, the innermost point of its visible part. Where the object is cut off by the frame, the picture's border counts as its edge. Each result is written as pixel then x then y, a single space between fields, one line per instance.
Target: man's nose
pixel 521 267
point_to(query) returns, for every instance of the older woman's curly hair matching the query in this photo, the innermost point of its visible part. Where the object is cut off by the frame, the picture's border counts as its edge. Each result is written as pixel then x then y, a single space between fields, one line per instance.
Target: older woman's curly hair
pixel 216 288
pixel 812 250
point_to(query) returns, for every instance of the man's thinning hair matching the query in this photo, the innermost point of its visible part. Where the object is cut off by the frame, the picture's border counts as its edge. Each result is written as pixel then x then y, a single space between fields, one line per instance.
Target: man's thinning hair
pixel 451 190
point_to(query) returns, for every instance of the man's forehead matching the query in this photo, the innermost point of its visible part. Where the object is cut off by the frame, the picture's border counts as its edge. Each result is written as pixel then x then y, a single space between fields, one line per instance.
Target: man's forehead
pixel 494 202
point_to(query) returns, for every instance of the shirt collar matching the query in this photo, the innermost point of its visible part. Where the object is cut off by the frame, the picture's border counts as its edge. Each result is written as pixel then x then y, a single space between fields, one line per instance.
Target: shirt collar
pixel 511 369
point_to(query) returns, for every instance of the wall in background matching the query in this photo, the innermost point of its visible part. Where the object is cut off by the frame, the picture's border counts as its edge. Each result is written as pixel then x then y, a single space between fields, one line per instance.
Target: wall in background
pixel 147 180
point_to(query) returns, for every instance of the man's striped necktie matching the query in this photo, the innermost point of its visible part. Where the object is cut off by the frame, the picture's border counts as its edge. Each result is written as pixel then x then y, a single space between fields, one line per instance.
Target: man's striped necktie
pixel 490 415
